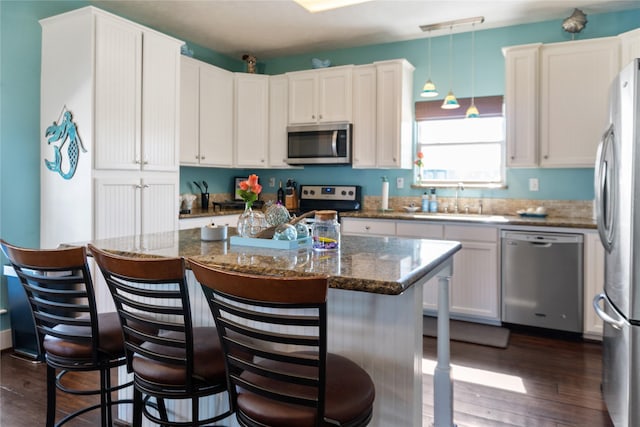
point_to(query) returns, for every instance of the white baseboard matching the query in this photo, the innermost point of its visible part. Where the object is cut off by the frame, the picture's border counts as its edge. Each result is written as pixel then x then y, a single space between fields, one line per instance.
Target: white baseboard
pixel 5 339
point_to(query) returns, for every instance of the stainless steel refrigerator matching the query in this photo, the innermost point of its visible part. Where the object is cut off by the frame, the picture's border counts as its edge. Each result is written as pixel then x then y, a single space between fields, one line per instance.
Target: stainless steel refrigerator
pixel 617 191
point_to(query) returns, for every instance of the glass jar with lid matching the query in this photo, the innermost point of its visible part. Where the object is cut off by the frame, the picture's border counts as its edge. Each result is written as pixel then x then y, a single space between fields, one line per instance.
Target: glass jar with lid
pixel 325 232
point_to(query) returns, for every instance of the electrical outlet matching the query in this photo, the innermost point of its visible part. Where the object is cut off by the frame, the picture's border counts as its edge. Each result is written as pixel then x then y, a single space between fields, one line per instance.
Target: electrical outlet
pixel 399 182
pixel 272 182
pixel 533 184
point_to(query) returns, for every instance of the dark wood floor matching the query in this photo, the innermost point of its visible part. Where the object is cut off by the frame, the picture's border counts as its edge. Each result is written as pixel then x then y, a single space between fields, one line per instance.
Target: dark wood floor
pixel 537 381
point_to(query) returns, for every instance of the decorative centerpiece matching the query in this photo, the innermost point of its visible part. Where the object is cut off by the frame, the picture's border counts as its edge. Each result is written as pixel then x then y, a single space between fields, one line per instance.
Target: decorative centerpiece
pixel 250 222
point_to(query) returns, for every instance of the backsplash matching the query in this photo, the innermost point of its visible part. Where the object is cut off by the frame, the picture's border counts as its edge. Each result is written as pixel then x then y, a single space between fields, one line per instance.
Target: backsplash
pixel 491 206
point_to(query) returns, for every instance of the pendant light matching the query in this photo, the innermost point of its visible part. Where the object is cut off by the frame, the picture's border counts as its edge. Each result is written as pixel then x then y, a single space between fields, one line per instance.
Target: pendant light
pixel 429 89
pixel 472 111
pixel 450 102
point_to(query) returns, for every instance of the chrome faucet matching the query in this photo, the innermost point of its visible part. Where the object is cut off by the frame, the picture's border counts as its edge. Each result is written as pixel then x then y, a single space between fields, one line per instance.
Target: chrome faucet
pixel 459 188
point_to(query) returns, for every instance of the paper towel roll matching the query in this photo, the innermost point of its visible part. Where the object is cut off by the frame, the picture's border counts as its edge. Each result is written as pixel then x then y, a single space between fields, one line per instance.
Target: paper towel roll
pixel 385 195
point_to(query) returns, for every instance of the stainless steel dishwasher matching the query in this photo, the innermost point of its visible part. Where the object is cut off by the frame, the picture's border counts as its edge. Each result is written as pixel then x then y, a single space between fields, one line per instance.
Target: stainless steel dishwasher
pixel 542 279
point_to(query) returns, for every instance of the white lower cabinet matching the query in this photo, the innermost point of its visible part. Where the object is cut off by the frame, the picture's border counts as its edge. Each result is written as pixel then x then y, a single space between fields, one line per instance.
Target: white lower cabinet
pixel 475 287
pixel 593 284
pixel 130 206
pixel 187 223
pixel 368 227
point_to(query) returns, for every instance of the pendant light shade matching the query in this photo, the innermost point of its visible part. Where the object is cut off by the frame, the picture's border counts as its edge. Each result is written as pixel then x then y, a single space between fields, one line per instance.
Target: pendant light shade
pixel 450 102
pixel 429 89
pixel 472 111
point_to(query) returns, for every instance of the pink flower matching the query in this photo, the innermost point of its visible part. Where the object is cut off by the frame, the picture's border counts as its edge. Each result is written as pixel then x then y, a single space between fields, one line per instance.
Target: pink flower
pixel 249 189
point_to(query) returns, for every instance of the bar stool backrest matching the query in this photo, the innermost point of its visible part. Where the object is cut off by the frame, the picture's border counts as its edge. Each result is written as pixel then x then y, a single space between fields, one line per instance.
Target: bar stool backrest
pixel 152 300
pixel 274 335
pixel 60 292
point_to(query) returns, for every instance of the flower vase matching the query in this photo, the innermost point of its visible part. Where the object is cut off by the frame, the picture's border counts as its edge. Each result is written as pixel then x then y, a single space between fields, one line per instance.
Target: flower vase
pixel 251 222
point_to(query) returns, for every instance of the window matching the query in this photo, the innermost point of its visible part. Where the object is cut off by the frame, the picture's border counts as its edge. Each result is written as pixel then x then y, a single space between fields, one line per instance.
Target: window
pixel 456 149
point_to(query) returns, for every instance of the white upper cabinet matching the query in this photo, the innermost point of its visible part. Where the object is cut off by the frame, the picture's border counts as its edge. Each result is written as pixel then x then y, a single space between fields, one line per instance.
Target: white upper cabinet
pixel 206 115
pixel 521 102
pixel 629 46
pixel 136 88
pixel 320 96
pixel 251 120
pixel 364 116
pixel 278 120
pixel 216 116
pixel 556 98
pixel 189 111
pixel 574 99
pixel 394 114
pixel 383 115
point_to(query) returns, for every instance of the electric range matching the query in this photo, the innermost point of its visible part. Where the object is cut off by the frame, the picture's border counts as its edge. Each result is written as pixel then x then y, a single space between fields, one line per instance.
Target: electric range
pixel 341 198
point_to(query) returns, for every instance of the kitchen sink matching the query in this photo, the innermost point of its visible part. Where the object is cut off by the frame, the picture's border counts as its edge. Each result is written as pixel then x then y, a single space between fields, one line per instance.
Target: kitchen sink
pixel 459 217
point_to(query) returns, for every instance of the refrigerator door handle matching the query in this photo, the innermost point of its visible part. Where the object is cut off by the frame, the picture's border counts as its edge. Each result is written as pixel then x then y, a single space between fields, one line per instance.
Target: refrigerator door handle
pixel 615 323
pixel 605 191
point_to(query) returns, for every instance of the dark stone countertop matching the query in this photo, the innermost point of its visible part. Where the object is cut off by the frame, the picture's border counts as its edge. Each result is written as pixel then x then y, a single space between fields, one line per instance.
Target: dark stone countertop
pixel 383 265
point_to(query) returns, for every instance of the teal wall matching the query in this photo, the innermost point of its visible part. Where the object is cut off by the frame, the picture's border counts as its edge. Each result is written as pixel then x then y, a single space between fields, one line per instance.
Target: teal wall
pixel 20 106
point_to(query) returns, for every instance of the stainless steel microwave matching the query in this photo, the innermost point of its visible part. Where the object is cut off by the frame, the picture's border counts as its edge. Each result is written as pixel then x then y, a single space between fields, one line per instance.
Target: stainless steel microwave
pixel 326 144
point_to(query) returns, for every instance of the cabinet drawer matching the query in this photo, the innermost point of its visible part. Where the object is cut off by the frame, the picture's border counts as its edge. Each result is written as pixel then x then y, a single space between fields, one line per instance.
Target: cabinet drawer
pixel 357 226
pixel 425 230
pixel 471 233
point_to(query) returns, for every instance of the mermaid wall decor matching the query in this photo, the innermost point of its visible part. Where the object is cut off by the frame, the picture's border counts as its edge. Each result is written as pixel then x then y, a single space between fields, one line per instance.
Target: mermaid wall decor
pixel 60 132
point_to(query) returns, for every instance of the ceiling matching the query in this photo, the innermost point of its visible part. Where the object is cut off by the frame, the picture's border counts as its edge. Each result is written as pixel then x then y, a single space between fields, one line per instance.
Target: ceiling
pixel 276 28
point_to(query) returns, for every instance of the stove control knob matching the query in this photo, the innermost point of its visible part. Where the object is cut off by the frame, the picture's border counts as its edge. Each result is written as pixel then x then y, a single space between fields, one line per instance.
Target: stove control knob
pixel 305 192
pixel 351 192
pixel 344 192
pixel 312 192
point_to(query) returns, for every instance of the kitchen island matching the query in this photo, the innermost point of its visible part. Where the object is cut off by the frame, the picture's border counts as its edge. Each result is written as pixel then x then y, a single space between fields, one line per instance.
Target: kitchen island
pixel 374 304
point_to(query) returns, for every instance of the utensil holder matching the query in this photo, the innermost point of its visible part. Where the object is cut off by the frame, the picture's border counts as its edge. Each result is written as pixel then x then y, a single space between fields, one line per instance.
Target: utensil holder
pixel 204 200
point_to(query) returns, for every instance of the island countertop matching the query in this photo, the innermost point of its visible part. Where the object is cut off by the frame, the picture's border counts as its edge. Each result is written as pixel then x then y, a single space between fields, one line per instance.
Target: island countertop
pixel 382 265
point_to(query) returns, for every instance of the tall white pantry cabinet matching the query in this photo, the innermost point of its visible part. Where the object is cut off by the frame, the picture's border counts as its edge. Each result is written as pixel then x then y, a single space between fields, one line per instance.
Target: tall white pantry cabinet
pixel 120 82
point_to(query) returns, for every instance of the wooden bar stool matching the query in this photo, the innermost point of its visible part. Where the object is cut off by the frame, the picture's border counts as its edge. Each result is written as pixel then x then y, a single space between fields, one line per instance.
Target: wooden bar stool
pixel 274 336
pixel 72 336
pixel 169 358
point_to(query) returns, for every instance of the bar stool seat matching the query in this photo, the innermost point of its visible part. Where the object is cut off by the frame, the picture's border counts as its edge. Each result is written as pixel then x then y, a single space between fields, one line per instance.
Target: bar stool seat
pixel 349 392
pixel 208 361
pixel 109 331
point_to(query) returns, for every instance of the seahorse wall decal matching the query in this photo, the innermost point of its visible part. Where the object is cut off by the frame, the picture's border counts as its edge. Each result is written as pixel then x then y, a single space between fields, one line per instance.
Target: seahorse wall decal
pixel 61 132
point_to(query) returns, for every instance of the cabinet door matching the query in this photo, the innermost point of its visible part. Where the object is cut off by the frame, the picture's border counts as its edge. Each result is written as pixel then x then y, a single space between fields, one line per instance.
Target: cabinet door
pixel 251 120
pixel 394 114
pixel 118 78
pixel 629 46
pixel 160 101
pixel 216 116
pixel 189 111
pixel 521 104
pixel 593 283
pixel 278 120
pixel 302 98
pixel 475 285
pixel 364 116
pixel 334 95
pixel 117 207
pixel 574 99
pixel 159 203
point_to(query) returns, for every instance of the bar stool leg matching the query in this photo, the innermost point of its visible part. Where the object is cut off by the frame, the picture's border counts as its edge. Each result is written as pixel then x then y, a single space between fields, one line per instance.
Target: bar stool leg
pixel 51 396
